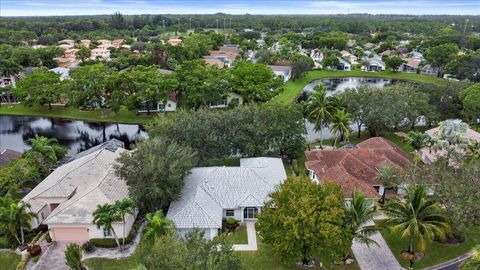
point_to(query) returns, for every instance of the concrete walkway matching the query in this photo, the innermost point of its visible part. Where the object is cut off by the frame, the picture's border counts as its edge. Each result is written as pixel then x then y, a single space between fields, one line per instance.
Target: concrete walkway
pixel 375 257
pixel 53 258
pixel 252 238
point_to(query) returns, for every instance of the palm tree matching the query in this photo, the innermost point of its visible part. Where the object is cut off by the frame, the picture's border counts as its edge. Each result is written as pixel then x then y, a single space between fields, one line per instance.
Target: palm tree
pixel 104 217
pixel 15 217
pixel 340 124
pixel 361 212
pixel 157 224
pixel 417 139
pixel 45 151
pixel 124 207
pixel 417 218
pixel 388 175
pixel 319 109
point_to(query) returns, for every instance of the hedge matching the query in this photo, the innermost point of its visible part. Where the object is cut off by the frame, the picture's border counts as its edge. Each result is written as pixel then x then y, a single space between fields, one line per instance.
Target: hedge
pixel 110 242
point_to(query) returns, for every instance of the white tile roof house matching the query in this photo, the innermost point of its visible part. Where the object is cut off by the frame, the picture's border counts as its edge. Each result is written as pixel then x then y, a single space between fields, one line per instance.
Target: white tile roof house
pixel 212 194
pixel 66 199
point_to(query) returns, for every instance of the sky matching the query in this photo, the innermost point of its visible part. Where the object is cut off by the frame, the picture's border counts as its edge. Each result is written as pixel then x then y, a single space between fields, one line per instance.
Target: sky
pixel 93 7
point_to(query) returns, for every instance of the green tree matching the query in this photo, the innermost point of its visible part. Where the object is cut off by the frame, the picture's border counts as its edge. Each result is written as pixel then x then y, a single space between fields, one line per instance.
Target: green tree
pixel 157 225
pixel 300 65
pixel 418 218
pixel 388 175
pixel 474 262
pixel 319 109
pixel 154 172
pixel 394 63
pixel 45 152
pixel 361 212
pixel 439 56
pixel 89 85
pixel 304 219
pixel 417 139
pixel 83 53
pixel 41 87
pixel 104 217
pixel 124 207
pixel 15 217
pixel 118 21
pixel 254 82
pixel 73 257
pixel 471 102
pixel 340 123
pixel 9 68
pixel 331 62
pixel 18 173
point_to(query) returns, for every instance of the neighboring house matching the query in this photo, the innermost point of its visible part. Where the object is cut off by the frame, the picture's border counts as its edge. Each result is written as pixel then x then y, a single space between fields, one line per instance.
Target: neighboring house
pixel 317 57
pixel 429 70
pixel 117 43
pixel 213 194
pixel 410 66
pixel 352 59
pixel 387 53
pixel 38 46
pixel 174 41
pixel 343 64
pixel 100 52
pixel 260 43
pixel 66 199
pixel 282 71
pixel 227 54
pixel 7 156
pixel 417 55
pixel 85 42
pixel 171 105
pixel 67 41
pixel 355 168
pixel 70 53
pixel 66 62
pixel 227 100
pixel 373 64
pixel 7 81
pixel 66 46
pixel 105 42
pixel 166 71
pixel 369 46
pixel 63 72
pixel 351 43
pixel 430 155
pixel 213 61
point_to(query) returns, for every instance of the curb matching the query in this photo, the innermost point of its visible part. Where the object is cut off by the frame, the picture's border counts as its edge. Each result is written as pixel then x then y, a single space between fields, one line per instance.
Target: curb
pixel 450 262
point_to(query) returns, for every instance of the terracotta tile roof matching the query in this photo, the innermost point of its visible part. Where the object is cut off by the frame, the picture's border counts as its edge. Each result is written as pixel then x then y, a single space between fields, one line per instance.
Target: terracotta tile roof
pixel 356 168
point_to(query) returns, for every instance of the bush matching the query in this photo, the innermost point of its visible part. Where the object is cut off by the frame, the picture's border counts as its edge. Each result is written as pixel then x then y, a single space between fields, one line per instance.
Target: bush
pixel 35 239
pixel 34 250
pixel 35 259
pixel 231 224
pixel 110 242
pixel 4 242
pixel 48 238
pixel 87 246
pixel 73 257
pixel 23 262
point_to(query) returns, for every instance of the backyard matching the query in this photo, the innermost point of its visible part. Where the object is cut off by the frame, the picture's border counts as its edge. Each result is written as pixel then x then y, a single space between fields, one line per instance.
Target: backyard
pixel 9 260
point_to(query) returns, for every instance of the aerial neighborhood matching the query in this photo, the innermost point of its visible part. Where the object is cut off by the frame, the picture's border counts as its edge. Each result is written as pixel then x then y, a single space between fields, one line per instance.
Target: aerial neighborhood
pixel 221 141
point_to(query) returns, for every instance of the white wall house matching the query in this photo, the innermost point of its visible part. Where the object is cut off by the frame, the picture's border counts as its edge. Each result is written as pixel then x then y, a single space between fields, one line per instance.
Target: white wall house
pixel 212 194
pixel 229 99
pixel 282 71
pixel 373 64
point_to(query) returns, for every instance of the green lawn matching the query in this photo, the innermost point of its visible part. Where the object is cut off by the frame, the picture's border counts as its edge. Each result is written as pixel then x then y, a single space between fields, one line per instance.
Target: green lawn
pixel 293 88
pixel 239 236
pixel 9 260
pixel 123 116
pixel 129 263
pixel 436 252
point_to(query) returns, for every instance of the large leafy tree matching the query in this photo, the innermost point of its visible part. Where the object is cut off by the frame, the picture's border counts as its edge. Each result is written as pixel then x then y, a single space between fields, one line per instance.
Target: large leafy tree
pixel 17 173
pixel 303 220
pixel 394 62
pixel 417 218
pixel 83 53
pixel 440 55
pixel 104 217
pixel 89 85
pixel 154 171
pixel 254 82
pixel 41 87
pixel 15 217
pixel 471 102
pixel 319 109
pixel 9 68
pixel 300 65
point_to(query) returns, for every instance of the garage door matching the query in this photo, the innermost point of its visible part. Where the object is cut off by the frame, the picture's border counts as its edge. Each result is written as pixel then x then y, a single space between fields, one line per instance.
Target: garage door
pixel 69 234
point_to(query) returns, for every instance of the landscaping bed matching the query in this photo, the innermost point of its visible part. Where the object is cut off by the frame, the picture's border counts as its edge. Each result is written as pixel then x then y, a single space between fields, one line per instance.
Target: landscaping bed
pixel 239 236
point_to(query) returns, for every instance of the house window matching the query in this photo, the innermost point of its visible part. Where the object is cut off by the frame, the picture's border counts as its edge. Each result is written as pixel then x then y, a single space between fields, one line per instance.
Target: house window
pixel 169 105
pixel 250 213
pixel 230 213
pixel 107 233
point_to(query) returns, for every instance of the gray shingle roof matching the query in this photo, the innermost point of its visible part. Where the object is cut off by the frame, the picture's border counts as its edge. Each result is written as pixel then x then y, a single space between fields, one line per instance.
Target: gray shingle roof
pixel 209 190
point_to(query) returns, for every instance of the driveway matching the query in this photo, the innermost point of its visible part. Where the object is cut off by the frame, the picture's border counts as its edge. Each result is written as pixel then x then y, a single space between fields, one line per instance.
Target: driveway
pixel 53 258
pixel 252 238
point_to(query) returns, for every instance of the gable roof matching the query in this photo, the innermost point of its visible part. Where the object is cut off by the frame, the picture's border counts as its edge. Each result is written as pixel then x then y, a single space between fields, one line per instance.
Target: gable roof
pixel 209 190
pixel 356 168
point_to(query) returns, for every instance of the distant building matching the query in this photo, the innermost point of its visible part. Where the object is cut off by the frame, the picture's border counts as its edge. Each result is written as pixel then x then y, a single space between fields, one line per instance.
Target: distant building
pixel 227 54
pixel 230 98
pixel 63 72
pixel 410 66
pixel 174 41
pixel 85 42
pixel 117 43
pixel 429 70
pixel 170 106
pixel 373 64
pixel 343 64
pixel 282 71
pixel 100 52
pixel 214 61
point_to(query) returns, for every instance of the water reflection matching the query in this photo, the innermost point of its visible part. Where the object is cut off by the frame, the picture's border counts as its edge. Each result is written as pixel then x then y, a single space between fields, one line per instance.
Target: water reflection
pixel 76 135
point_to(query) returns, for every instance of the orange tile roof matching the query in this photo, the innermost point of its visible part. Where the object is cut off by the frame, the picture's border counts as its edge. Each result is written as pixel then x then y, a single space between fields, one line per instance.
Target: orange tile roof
pixel 356 168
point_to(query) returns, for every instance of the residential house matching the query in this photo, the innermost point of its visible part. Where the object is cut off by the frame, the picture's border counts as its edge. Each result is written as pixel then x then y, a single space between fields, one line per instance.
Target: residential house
pixel 429 70
pixel 369 46
pixel 117 43
pixel 351 43
pixel 260 43
pixel 7 156
pixel 373 64
pixel 70 53
pixel 64 73
pixel 170 106
pixel 174 41
pixel 352 59
pixel 213 194
pixel 417 55
pixel 429 155
pixel 230 98
pixel 317 57
pixel 67 198
pixel 387 53
pixel 38 46
pixel 410 66
pixel 212 60
pixel 85 42
pixel 105 42
pixel 282 71
pixel 100 52
pixel 355 169
pixel 67 41
pixel 343 64
pixel 66 46
pixel 227 54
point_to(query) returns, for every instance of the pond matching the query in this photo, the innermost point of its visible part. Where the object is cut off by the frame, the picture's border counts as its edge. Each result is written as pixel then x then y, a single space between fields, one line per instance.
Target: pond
pixel 335 86
pixel 75 135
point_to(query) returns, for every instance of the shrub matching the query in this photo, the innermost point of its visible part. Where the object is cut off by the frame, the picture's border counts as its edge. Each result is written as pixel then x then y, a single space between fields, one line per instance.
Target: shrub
pixel 35 239
pixel 87 246
pixel 35 259
pixel 231 224
pixel 110 242
pixel 73 257
pixel 23 262
pixel 48 238
pixel 4 242
pixel 34 250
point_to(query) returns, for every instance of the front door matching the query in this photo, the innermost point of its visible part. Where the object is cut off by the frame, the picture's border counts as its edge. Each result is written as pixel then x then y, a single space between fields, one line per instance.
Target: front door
pixel 250 213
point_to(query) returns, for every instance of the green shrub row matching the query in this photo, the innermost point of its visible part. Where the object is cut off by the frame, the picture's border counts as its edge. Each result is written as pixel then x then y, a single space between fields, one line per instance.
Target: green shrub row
pixel 110 242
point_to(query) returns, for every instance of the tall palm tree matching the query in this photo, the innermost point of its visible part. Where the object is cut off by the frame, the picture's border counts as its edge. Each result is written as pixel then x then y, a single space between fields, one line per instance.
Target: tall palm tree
pixel 124 207
pixel 104 217
pixel 157 224
pixel 361 212
pixel 319 109
pixel 417 139
pixel 416 218
pixel 15 217
pixel 388 175
pixel 340 124
pixel 45 151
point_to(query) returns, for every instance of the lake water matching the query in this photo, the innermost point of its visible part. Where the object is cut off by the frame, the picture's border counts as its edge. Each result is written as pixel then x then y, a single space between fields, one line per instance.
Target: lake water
pixel 76 135
pixel 333 87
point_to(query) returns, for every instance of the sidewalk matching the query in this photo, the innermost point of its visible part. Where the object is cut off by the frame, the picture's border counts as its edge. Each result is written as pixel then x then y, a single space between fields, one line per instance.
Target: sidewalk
pixel 252 239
